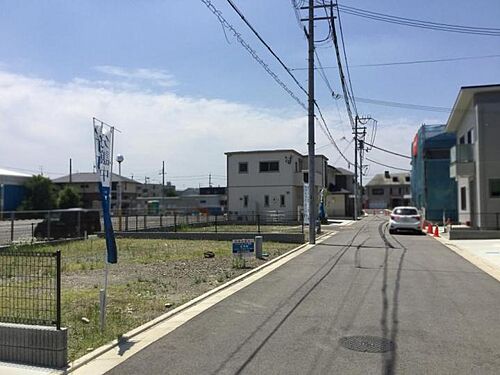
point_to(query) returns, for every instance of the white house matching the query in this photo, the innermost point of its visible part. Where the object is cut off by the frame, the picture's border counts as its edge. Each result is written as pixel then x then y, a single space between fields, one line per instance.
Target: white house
pixel 270 181
pixel 475 159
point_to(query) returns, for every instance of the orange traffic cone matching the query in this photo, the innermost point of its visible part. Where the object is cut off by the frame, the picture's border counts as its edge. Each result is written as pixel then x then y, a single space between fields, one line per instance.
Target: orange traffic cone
pixel 429 228
pixel 436 231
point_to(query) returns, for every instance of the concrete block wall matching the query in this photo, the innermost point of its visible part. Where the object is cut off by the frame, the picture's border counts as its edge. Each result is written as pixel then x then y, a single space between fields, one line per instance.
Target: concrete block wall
pixel 33 345
pixel 268 237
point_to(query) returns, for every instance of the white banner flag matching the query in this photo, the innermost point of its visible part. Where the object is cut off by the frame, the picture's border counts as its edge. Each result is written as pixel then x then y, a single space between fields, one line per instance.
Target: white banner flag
pixel 103 158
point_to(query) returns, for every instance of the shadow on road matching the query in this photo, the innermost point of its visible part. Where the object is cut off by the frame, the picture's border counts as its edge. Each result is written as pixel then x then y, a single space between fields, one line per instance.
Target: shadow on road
pixel 391 333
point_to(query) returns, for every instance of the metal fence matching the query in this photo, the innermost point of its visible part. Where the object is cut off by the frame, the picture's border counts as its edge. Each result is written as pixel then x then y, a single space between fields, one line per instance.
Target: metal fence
pixel 30 287
pixel 29 227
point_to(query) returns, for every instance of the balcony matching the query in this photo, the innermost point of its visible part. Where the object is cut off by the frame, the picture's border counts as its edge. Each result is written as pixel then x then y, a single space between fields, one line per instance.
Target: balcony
pixel 462 161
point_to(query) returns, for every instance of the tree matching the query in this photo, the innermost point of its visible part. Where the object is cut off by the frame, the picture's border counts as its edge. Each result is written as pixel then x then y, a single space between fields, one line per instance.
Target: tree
pixel 69 198
pixel 40 194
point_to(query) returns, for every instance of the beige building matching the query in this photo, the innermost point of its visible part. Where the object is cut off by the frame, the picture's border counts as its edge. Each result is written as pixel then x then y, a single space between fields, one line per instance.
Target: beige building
pixel 270 181
pixel 475 159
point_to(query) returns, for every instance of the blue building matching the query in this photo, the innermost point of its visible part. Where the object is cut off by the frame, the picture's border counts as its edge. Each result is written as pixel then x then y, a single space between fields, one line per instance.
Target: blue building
pixel 433 191
pixel 11 189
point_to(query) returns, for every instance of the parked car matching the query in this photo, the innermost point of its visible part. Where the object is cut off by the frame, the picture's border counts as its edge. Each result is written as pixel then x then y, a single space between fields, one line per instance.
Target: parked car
pixel 71 223
pixel 405 218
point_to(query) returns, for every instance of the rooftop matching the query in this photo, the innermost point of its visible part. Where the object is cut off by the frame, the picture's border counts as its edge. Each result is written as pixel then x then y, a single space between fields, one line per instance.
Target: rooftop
pixel 381 180
pixel 270 151
pixel 463 103
pixel 85 177
pixel 5 172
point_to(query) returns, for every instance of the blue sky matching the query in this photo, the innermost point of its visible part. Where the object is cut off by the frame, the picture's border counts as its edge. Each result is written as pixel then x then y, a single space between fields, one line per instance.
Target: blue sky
pixel 165 74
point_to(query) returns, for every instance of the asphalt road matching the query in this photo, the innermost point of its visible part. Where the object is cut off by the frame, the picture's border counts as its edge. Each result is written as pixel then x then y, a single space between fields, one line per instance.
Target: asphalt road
pixel 428 311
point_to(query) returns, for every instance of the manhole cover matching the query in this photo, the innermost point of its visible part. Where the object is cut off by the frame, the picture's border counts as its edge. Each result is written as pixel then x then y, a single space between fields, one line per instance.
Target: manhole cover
pixel 367 344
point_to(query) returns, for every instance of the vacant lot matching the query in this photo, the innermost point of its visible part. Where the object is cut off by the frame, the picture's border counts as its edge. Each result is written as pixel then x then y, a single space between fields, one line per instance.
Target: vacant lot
pixel 151 277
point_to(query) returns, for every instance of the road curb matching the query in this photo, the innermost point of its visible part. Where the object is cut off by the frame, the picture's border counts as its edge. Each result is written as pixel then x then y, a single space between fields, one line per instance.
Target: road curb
pixel 146 326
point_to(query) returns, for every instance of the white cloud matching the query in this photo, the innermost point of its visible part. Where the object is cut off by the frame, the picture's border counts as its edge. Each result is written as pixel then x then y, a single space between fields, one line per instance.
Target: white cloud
pixel 159 77
pixel 44 122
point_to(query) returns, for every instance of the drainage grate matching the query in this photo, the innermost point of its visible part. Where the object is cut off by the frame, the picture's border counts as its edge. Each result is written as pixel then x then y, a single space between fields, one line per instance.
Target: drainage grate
pixel 367 344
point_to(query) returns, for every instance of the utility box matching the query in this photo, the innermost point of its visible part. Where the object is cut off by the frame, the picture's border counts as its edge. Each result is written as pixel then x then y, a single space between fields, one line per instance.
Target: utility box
pixel 258 247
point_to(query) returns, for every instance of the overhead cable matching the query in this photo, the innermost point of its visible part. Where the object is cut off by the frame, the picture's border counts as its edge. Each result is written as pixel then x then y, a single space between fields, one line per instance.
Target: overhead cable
pixel 473 30
pixel 225 24
pixel 388 151
pixel 388 166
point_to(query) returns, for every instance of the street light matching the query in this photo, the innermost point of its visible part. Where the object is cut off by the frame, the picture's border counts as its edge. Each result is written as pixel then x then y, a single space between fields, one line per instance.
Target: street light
pixel 119 159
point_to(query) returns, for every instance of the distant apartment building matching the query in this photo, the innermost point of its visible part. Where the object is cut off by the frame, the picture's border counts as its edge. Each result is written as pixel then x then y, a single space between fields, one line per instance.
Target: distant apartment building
pixel 475 159
pixel 87 185
pixel 433 190
pixel 155 190
pixel 388 190
pixel 12 189
pixel 271 181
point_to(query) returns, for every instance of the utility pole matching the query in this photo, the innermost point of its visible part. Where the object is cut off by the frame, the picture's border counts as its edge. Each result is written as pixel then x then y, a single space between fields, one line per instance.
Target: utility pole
pixel 209 180
pixel 311 117
pixel 360 145
pixel 70 171
pixel 356 167
pixel 310 155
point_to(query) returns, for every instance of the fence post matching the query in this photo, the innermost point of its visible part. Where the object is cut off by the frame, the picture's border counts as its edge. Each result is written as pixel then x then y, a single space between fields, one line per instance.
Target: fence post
pixel 136 223
pixel 79 224
pixel 302 222
pixel 48 225
pixel 32 232
pixel 175 221
pixel 258 223
pixel 145 221
pixel 161 221
pixel 126 222
pixel 12 226
pixel 58 289
pixel 215 223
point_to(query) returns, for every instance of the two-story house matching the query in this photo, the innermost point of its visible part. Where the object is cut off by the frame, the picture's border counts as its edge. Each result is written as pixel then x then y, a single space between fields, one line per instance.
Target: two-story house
pixel 87 185
pixel 475 159
pixel 388 190
pixel 270 181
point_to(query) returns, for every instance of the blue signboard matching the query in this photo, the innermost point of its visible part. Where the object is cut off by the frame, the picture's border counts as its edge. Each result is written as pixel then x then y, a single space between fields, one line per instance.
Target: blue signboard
pixel 243 247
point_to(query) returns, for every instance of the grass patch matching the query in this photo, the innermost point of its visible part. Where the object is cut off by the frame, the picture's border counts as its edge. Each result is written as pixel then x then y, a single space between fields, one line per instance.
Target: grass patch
pixel 151 278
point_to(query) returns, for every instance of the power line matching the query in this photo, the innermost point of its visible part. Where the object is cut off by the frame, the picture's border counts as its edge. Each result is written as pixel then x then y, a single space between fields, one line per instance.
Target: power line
pixel 388 166
pixel 410 62
pixel 345 59
pixel 341 72
pixel 226 25
pixel 231 3
pixel 437 26
pixel 388 151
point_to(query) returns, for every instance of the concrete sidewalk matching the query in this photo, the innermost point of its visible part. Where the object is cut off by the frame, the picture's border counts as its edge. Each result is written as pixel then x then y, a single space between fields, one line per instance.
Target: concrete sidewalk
pixel 484 254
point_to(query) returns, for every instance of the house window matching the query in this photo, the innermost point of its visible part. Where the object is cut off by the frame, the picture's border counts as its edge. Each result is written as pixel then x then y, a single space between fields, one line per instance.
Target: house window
pixel 378 191
pixel 266 200
pixel 243 167
pixel 407 178
pixel 400 191
pixel 245 201
pixel 395 179
pixel 282 200
pixel 494 187
pixel 203 201
pixel 462 140
pixel 470 136
pixel 269 166
pixel 463 198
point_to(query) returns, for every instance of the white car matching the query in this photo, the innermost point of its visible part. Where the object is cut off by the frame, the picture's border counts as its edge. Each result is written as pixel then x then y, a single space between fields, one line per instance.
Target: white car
pixel 405 218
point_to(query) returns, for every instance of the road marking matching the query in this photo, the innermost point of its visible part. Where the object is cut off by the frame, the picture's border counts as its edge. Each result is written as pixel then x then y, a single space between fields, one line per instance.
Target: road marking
pixel 113 354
